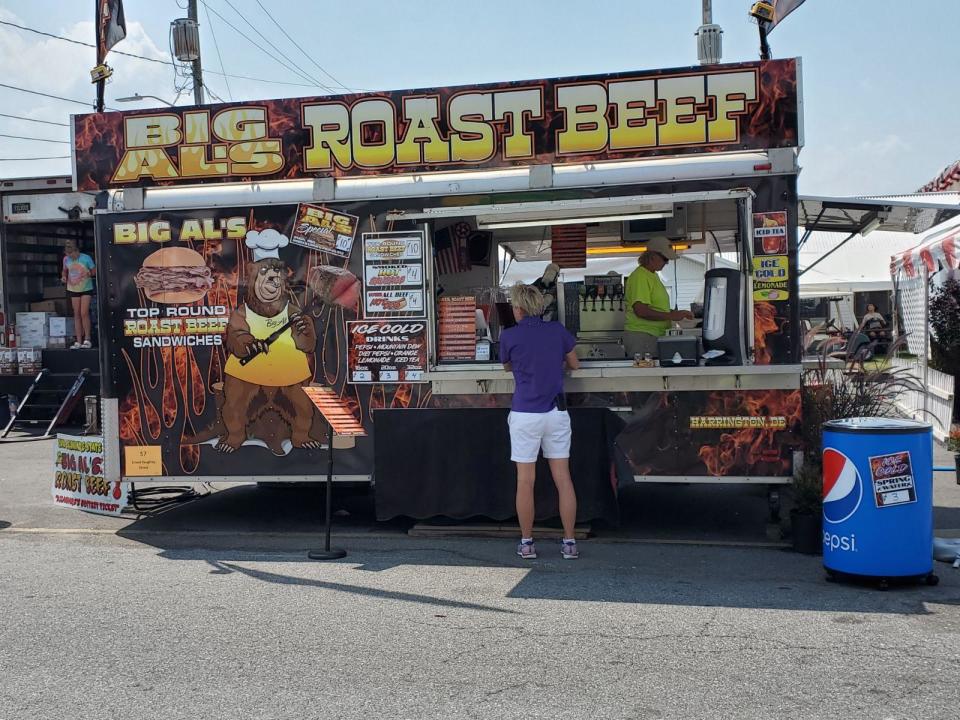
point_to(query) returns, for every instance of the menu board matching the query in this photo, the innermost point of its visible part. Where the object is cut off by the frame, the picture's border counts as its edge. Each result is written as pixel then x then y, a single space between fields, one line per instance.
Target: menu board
pixel 324 230
pixel 386 351
pixel 393 278
pixel 457 335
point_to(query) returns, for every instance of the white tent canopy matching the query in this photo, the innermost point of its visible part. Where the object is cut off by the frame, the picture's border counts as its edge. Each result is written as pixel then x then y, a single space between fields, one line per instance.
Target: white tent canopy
pixel 860 265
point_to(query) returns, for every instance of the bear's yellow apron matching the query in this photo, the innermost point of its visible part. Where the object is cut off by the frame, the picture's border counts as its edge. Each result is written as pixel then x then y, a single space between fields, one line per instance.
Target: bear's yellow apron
pixel 283 365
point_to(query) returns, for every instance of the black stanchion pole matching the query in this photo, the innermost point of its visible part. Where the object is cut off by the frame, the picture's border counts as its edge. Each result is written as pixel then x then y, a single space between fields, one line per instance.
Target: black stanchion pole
pixel 327 553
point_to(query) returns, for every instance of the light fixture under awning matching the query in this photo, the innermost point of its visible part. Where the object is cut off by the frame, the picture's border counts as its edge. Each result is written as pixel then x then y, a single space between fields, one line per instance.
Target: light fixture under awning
pixel 498 222
pixel 578 210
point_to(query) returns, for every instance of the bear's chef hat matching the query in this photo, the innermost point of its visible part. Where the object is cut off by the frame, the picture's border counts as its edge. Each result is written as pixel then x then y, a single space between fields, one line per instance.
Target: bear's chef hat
pixel 266 244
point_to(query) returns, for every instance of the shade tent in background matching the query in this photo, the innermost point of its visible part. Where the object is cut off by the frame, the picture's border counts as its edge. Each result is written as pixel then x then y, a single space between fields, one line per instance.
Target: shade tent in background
pixel 917 271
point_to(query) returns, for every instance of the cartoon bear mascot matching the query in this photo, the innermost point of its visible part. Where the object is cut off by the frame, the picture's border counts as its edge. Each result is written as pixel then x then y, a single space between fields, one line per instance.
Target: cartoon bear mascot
pixel 270 351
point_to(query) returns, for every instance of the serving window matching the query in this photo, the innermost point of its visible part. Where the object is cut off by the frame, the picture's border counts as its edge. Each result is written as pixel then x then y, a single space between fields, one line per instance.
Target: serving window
pixel 482 251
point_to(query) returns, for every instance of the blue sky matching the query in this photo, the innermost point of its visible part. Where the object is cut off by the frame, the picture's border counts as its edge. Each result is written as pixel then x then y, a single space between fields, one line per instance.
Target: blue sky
pixel 881 99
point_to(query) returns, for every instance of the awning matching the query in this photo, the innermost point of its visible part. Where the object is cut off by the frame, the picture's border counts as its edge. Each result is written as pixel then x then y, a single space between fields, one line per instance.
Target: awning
pixel 860 216
pixel 913 214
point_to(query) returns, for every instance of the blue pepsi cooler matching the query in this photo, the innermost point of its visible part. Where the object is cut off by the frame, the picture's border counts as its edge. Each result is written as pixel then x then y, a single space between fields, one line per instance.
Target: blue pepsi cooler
pixel 878 498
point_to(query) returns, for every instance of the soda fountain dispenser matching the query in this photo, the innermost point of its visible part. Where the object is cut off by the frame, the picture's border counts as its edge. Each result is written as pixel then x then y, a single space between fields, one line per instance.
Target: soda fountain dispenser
pixel 595 315
pixel 724 303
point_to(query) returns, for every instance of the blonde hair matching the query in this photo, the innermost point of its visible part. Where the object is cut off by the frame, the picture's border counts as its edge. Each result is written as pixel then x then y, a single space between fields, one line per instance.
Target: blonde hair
pixel 528 298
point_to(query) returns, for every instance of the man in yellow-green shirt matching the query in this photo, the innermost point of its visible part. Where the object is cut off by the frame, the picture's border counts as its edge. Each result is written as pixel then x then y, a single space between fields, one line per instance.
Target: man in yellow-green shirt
pixel 648 313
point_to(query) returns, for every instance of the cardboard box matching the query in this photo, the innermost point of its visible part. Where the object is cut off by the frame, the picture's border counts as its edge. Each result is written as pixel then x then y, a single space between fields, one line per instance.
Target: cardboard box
pixel 33 321
pixel 59 343
pixel 54 292
pixel 44 306
pixel 60 326
pixel 35 341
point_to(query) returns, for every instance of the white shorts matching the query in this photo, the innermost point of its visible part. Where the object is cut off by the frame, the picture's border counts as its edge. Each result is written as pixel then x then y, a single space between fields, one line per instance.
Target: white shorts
pixel 531 431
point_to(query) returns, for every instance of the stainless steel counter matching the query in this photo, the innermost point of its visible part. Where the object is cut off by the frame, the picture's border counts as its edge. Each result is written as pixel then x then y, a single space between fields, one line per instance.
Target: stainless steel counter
pixel 620 376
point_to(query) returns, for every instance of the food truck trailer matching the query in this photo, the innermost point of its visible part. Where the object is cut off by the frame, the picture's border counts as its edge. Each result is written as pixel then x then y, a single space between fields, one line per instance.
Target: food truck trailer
pixel 356 245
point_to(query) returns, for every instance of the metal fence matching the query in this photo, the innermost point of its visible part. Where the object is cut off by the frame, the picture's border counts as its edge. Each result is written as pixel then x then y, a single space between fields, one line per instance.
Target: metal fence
pixel 938 396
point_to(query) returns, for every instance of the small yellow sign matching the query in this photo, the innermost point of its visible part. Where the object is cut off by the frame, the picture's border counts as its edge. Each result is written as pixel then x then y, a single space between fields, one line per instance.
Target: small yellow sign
pixel 771 268
pixel 142 461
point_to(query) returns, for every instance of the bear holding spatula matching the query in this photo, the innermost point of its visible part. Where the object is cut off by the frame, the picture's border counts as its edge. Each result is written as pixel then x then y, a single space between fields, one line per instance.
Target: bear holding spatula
pixel 271 345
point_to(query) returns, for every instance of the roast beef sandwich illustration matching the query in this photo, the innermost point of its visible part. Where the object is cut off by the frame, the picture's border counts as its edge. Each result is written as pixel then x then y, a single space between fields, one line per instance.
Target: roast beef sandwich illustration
pixel 174 275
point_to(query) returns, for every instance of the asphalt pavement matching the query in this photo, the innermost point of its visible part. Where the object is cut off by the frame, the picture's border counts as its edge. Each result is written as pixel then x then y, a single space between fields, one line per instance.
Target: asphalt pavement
pixel 206 610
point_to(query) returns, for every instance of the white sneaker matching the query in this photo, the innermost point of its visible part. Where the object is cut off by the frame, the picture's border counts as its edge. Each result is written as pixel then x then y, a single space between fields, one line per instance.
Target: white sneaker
pixel 76 346
pixel 86 345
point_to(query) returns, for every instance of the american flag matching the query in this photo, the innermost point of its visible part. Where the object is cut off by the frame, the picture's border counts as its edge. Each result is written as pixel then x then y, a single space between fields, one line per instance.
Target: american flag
pixel 568 245
pixel 450 246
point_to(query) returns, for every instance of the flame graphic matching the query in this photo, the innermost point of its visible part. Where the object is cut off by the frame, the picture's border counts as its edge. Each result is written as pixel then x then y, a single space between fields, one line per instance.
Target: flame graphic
pixel 143 399
pixel 168 404
pixel 764 324
pixel 776 116
pixel 130 420
pixel 746 448
pixel 189 454
pixel 402 396
pixel 198 393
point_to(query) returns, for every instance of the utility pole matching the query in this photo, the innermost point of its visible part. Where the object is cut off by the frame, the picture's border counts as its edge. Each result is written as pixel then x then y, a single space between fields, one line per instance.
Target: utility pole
pixel 197 70
pixel 97 24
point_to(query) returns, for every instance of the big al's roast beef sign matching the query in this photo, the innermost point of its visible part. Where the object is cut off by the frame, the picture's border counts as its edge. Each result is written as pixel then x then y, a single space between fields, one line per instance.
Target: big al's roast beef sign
pixel 583 119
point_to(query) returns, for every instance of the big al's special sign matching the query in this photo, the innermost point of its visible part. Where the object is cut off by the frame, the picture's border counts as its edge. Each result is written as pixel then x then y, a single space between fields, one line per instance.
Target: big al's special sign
pixel 578 119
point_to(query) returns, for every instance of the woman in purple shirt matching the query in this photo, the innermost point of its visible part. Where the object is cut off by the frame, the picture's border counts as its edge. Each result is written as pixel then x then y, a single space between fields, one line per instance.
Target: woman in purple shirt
pixel 536 351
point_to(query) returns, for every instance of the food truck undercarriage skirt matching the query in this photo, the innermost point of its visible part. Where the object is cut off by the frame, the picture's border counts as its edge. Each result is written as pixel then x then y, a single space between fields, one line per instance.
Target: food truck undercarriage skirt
pixel 456 464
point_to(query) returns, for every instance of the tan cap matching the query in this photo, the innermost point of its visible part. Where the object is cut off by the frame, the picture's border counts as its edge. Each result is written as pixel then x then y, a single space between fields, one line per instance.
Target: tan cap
pixel 661 245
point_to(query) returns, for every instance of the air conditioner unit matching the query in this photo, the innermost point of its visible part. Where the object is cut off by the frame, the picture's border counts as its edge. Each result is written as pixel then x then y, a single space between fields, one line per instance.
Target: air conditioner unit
pixel 641 230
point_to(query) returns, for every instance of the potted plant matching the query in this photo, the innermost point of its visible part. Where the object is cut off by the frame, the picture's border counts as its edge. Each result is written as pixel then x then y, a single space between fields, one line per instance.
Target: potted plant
pixel 836 389
pixel 806 515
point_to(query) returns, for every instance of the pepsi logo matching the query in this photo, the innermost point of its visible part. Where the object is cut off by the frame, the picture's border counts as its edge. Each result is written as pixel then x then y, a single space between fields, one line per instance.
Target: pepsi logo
pixel 842 486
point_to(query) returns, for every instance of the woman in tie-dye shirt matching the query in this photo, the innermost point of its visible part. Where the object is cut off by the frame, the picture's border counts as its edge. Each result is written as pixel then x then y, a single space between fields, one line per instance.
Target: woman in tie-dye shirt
pixel 78 273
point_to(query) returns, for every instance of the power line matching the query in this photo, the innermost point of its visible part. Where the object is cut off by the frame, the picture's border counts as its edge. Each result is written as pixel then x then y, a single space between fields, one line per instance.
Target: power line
pixel 280 52
pixel 297 45
pixel 80 42
pixel 262 49
pixel 45 157
pixel 45 122
pixel 155 60
pixel 36 139
pixel 55 97
pixel 217 46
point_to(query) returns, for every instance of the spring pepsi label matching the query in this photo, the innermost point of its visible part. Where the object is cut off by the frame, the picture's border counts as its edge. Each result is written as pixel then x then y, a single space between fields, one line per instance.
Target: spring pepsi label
pixel 893 482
